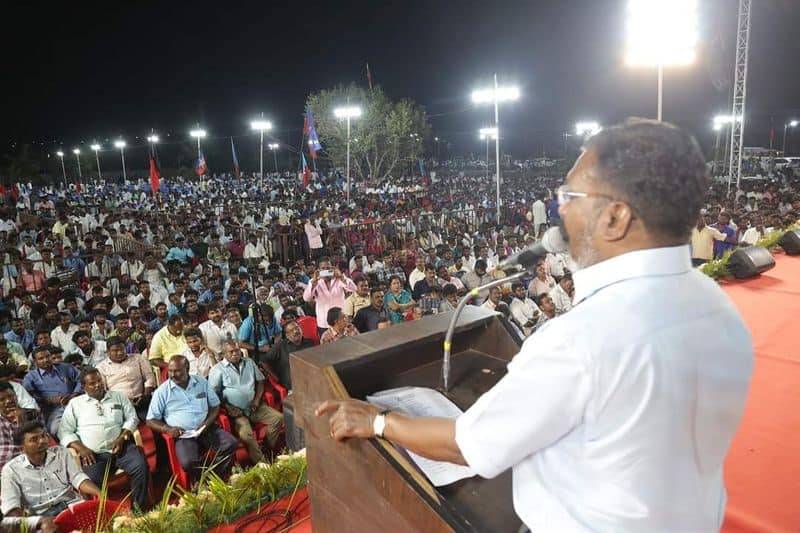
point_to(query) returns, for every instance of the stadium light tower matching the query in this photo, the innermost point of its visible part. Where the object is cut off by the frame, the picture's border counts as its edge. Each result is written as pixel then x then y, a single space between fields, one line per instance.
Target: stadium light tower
pixel 198 134
pixel 152 138
pixel 274 147
pixel 348 112
pixel 63 170
pixel 586 129
pixel 121 145
pixel 790 124
pixel 661 33
pixel 495 95
pixel 261 126
pixel 96 147
pixel 77 153
pixel 486 134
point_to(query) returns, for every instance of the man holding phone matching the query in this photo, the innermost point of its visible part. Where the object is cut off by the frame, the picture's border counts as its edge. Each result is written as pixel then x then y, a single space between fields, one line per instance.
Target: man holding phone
pixel 328 288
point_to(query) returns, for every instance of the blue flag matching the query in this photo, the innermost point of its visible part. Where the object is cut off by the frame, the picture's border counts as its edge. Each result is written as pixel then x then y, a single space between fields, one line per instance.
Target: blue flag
pixel 235 161
pixel 313 140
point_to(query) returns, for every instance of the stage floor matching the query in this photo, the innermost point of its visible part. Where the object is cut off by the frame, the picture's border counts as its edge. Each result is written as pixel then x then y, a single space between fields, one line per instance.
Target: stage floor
pixel 762 471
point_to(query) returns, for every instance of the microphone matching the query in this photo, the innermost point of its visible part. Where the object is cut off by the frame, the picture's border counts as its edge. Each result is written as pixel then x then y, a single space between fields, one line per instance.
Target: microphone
pixel 552 242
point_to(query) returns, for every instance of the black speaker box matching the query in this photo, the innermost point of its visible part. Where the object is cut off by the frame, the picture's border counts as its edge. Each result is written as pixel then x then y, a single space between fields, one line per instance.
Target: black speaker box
pixel 750 261
pixel 790 242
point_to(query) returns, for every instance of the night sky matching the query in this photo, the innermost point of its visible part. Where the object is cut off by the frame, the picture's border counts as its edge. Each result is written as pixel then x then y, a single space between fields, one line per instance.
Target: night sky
pixel 74 71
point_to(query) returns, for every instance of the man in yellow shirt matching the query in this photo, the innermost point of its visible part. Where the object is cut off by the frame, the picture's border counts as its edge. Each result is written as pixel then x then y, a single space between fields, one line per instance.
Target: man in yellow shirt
pixel 703 238
pixel 168 341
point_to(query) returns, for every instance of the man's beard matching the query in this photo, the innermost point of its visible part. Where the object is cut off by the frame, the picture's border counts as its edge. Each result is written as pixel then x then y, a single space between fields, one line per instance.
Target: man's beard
pixel 585 252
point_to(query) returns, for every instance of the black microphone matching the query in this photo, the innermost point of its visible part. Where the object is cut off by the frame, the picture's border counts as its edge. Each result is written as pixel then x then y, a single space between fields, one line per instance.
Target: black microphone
pixel 552 242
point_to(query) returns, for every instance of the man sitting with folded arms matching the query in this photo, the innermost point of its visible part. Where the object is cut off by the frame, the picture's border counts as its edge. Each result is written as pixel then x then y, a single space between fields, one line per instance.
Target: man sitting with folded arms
pixel 187 403
pixel 99 426
pixel 241 385
pixel 41 481
pixel 131 375
pixel 52 385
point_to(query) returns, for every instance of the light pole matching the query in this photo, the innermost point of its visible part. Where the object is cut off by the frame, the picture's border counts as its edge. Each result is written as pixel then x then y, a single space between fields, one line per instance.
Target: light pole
pixel 198 134
pixel 63 170
pixel 96 147
pixel 274 147
pixel 152 139
pixel 496 95
pixel 77 153
pixel 718 129
pixel 260 126
pixel 121 145
pixel 486 134
pixel 348 113
pixel 661 33
pixel 586 129
pixel 790 124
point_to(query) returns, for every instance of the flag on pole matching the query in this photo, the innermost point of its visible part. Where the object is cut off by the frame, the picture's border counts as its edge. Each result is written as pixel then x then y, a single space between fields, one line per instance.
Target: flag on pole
pixel 311 131
pixel 421 168
pixel 369 77
pixel 155 175
pixel 200 166
pixel 306 171
pixel 235 161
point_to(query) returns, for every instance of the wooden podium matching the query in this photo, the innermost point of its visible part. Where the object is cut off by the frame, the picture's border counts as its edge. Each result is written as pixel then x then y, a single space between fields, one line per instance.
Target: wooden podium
pixel 369 485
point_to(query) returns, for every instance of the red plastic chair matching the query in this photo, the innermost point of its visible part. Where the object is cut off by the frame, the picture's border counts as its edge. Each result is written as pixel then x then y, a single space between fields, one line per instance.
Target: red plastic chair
pixel 83 516
pixel 308 325
pixel 148 446
pixel 181 477
pixel 279 391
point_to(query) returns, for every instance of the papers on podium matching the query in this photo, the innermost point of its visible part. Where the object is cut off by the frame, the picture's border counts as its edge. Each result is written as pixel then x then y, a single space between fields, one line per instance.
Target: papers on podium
pixel 421 401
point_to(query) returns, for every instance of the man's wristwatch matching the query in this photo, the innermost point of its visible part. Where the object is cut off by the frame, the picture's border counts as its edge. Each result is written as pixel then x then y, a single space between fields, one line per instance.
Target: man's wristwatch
pixel 379 424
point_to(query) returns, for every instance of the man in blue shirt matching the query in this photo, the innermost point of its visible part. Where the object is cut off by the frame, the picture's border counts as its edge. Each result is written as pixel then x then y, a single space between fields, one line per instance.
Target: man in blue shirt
pixel 52 385
pixel 20 335
pixel 723 226
pixel 241 385
pixel 184 404
pixel 256 340
pixel 179 252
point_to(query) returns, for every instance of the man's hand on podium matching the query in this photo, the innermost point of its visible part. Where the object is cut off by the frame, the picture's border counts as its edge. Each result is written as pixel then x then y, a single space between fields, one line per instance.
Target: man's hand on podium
pixel 349 418
pixel 434 438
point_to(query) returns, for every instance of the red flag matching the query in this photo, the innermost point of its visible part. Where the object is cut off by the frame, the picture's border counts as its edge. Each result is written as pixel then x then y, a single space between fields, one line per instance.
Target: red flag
pixel 15 192
pixel 155 175
pixel 77 186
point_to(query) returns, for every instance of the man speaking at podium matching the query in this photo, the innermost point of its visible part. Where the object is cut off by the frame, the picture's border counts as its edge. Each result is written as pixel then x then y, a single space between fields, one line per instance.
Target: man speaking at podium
pixel 616 416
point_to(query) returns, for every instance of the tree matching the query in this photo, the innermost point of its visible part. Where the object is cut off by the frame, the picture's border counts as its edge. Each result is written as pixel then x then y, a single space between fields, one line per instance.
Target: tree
pixel 386 133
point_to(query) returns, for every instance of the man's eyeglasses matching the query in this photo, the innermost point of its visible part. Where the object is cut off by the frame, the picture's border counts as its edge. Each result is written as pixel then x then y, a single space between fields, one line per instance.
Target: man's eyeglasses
pixel 564 195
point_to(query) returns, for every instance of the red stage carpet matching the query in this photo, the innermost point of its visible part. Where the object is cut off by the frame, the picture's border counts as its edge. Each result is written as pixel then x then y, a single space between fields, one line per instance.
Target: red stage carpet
pixel 762 471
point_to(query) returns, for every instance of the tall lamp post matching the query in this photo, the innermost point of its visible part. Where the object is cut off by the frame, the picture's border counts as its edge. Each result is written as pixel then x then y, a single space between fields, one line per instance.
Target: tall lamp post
pixel 487 134
pixel 790 124
pixel 63 170
pixel 121 145
pixel 347 113
pixel 96 147
pixel 721 123
pixel 261 126
pixel 274 147
pixel 496 95
pixel 77 153
pixel 661 33
pixel 198 134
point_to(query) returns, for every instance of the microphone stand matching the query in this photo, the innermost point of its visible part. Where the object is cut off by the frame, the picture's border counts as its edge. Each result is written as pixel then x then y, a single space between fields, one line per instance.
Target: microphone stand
pixel 448 337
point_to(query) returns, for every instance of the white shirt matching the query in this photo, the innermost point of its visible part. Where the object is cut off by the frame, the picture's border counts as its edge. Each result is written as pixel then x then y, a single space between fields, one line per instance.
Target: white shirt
pixel 254 251
pixel 215 335
pixel 561 299
pixel 751 236
pixel 629 426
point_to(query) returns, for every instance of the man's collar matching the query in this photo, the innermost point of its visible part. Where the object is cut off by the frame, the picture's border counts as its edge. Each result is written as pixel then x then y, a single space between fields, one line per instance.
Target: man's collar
pixel 640 263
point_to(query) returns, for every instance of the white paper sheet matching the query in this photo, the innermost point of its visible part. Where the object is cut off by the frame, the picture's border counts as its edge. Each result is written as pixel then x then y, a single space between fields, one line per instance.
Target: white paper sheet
pixel 421 401
pixel 192 433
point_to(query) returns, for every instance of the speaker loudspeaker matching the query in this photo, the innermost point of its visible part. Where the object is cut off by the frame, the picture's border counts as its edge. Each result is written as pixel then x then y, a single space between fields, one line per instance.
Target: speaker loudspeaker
pixel 790 242
pixel 750 261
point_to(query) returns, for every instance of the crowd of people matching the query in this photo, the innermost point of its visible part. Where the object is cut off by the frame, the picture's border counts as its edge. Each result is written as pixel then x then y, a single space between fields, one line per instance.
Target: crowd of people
pixel 121 308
